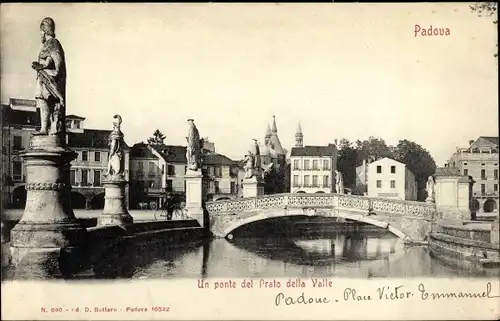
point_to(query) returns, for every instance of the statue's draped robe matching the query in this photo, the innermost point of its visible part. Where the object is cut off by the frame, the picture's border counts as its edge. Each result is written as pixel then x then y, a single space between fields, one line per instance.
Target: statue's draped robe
pixel 256 152
pixel 116 159
pixel 51 81
pixel 193 148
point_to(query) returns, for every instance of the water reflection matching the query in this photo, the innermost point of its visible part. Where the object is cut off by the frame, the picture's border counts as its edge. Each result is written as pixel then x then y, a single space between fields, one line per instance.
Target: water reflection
pixel 333 253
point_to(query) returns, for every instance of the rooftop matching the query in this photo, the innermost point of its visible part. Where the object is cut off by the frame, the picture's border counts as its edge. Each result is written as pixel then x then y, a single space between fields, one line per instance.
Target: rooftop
pixel 176 154
pixel 491 139
pixel 315 151
pixel 90 138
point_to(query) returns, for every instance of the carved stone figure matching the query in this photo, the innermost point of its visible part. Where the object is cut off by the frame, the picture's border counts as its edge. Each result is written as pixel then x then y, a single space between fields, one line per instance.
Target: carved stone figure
pixel 256 152
pixel 430 189
pixel 51 81
pixel 116 162
pixel 339 182
pixel 248 167
pixel 194 145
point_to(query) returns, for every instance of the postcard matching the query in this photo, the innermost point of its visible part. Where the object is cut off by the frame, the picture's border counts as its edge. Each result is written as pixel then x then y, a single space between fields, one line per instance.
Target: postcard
pixel 246 161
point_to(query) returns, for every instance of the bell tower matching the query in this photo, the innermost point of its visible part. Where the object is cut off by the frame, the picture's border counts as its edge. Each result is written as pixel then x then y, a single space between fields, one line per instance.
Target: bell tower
pixel 299 137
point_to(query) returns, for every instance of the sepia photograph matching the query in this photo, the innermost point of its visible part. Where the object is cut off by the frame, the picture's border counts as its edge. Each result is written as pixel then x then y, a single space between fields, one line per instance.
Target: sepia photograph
pixel 309 158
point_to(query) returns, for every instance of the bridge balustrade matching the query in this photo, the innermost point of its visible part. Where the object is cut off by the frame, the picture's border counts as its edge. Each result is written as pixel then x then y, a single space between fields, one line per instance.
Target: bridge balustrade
pixel 363 204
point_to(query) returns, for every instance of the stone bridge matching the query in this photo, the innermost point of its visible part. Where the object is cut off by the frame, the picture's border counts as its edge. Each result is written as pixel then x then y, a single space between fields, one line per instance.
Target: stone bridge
pixel 409 220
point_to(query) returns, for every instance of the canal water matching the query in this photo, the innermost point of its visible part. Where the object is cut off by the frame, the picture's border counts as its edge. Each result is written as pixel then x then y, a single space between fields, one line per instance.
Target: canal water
pixel 338 251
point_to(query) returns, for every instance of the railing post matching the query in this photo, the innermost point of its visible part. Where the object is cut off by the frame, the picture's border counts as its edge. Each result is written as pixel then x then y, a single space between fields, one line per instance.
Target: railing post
pixel 285 200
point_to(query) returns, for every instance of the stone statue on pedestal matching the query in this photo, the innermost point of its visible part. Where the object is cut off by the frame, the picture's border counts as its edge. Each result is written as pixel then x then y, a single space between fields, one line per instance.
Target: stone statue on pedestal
pixel 116 162
pixel 194 146
pixel 51 81
pixel 430 190
pixel 253 162
pixel 339 182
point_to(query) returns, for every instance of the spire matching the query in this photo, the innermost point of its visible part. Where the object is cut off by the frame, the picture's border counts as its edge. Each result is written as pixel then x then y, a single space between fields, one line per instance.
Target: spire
pixel 299 137
pixel 299 130
pixel 268 131
pixel 274 129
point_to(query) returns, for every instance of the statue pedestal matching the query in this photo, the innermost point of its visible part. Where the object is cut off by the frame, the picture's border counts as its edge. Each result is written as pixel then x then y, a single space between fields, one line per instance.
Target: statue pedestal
pixel 194 196
pixel 429 200
pixel 115 209
pixel 253 187
pixel 48 228
pixel 453 194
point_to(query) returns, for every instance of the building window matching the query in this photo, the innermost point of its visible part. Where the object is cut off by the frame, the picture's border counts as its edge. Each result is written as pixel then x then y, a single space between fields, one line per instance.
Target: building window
pixel 306 180
pixel 85 177
pixel 495 173
pixel 483 174
pixel 466 172
pixel 72 177
pixel 295 180
pixel 483 189
pixel 482 164
pixel 465 164
pixel 495 188
pixel 218 171
pixel 97 156
pixel 140 167
pixel 326 181
pixel 315 165
pixel 296 164
pixel 315 181
pixel 85 156
pixel 170 170
pixel 326 165
pixel 18 143
pixel 393 184
pixel 216 186
pixel 162 169
pixel 233 188
pixel 77 124
pixel 169 185
pixel 151 168
pixel 306 165
pixel 379 169
pixel 379 183
pixel 17 170
pixel 97 177
pixel 393 169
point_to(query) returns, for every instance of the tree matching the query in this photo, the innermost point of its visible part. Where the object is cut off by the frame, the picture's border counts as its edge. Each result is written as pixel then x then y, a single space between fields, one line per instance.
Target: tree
pixel 157 139
pixel 372 148
pixel 486 9
pixel 347 162
pixel 418 160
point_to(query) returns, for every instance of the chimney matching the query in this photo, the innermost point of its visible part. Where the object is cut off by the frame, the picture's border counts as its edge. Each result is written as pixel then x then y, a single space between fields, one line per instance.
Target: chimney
pixel 471 142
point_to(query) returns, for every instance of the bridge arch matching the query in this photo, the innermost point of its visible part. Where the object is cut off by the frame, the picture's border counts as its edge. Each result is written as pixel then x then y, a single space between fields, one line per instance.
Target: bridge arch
pixel 278 213
pixel 97 201
pixel 19 195
pixel 78 200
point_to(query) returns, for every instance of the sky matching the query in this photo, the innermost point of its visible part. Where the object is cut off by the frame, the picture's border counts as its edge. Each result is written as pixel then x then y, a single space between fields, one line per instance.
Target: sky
pixel 341 70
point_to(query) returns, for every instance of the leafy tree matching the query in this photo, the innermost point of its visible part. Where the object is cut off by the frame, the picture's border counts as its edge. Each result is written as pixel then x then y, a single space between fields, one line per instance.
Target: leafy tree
pixel 347 161
pixel 418 160
pixel 372 148
pixel 157 139
pixel 486 9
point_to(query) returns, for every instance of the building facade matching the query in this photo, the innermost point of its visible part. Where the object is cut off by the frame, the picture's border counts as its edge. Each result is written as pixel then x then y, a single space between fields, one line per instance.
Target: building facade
pixel 480 161
pixel 88 170
pixel 19 120
pixel 312 169
pixel 158 170
pixel 388 178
